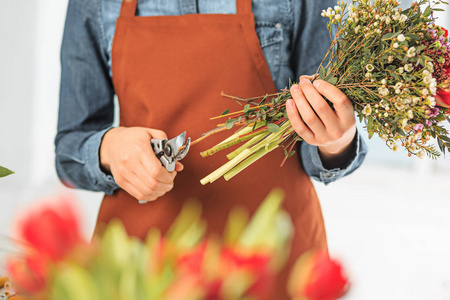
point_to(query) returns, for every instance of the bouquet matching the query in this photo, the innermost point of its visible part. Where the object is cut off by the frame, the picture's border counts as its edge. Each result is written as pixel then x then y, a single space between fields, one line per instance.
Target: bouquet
pixel 393 64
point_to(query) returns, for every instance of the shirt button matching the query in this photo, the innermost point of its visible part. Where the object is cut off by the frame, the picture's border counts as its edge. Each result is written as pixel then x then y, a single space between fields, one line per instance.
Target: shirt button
pixel 278 25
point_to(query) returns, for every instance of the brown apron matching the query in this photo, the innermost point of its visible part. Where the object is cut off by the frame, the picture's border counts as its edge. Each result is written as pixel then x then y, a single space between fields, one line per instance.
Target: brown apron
pixel 168 72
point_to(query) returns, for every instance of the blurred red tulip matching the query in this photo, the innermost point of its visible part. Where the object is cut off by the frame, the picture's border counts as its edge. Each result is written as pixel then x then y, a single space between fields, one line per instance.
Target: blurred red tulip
pixel 29 273
pixel 53 230
pixel 317 277
pixel 257 264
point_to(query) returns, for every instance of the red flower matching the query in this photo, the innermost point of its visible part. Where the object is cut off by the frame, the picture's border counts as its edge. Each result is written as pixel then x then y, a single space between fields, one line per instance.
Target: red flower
pixel 317 277
pixel 52 231
pixel 29 273
pixel 257 265
pixel 445 32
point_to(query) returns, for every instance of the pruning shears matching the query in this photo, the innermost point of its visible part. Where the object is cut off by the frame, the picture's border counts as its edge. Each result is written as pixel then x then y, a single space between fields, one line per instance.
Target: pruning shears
pixel 170 151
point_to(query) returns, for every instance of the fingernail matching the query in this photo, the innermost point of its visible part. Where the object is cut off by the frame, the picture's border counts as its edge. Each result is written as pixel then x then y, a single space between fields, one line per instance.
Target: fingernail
pixel 317 83
pixel 304 80
pixel 294 88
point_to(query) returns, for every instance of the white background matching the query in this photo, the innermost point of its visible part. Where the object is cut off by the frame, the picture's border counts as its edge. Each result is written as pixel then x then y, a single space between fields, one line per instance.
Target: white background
pixel 388 222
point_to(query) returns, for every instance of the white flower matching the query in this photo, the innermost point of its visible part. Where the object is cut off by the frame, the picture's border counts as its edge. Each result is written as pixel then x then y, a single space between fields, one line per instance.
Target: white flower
pixel 410 114
pixel 390 58
pixel 408 67
pixel 398 85
pixel 395 45
pixel 369 67
pixel 391 144
pixel 420 154
pixel 399 106
pixel 400 37
pixel 433 90
pixel 377 16
pixel 398 91
pixel 384 81
pixel 368 75
pixel 431 101
pixel 367 110
pixel 405 123
pixel 427 79
pixel 357 28
pixel 378 30
pixel 403 18
pixel 324 13
pixel 425 92
pixel 338 17
pixel 416 100
pixel 426 73
pixel 350 20
pixel 337 8
pixel 388 20
pixel 411 52
pixel 430 66
pixel 401 70
pixel 383 91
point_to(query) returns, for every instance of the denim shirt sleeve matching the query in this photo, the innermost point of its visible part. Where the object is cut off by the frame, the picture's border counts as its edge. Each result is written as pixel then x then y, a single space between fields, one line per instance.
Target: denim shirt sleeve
pixel 86 108
pixel 313 166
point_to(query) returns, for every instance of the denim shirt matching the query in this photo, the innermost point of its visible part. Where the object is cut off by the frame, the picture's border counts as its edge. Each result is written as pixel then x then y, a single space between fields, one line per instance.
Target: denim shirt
pixel 292 34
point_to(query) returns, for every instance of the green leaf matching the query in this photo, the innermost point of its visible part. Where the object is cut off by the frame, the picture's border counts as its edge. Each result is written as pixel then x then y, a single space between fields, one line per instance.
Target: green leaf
pixel 229 123
pixel 333 80
pixel 438 9
pixel 427 12
pixel 389 36
pixel 412 36
pixel 291 153
pixel 322 72
pixel 246 108
pixel 5 172
pixel 273 127
pixel 445 138
pixel 225 112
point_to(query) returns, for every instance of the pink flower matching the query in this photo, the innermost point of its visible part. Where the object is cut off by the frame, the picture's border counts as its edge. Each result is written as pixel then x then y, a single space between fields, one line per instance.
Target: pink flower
pixel 53 231
pixel 428 122
pixel 419 127
pixel 317 277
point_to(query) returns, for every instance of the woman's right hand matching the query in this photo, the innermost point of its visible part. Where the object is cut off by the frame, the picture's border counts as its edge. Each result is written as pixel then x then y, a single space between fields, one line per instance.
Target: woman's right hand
pixel 127 154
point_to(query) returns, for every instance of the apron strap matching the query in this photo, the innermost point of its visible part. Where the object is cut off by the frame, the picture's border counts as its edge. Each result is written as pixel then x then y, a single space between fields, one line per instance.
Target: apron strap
pixel 128 8
pixel 243 6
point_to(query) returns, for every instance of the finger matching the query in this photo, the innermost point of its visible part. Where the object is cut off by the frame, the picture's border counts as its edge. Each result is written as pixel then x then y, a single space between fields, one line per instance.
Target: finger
pixel 148 188
pixel 299 126
pixel 307 114
pixel 153 166
pixel 179 166
pixel 319 104
pixel 342 105
pixel 157 134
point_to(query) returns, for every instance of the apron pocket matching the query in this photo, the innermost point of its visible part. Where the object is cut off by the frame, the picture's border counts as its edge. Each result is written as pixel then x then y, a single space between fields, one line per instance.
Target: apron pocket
pixel 270 37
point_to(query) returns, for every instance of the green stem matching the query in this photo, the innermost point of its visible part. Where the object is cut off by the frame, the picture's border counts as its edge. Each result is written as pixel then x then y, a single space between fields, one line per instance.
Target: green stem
pixel 257 155
pixel 246 145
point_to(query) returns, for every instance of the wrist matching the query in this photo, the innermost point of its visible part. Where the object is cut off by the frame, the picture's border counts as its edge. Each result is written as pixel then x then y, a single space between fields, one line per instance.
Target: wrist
pixel 336 156
pixel 104 153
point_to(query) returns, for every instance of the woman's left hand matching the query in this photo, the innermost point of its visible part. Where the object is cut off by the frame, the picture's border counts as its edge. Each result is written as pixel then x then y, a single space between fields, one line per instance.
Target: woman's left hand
pixel 317 123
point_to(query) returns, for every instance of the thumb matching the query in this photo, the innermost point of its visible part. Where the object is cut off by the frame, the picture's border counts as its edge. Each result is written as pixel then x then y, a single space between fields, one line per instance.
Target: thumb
pixel 157 134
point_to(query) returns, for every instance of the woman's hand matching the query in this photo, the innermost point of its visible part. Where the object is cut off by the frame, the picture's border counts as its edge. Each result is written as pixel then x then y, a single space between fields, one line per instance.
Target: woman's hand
pixel 318 124
pixel 126 152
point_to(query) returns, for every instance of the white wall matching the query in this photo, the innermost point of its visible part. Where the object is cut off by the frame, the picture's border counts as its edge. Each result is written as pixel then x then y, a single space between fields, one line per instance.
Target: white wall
pixel 388 221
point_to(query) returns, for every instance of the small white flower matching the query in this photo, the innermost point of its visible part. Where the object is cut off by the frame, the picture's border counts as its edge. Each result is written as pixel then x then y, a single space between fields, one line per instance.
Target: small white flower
pixel 416 100
pixel 388 20
pixel 430 66
pixel 377 16
pixel 400 37
pixel 391 144
pixel 357 28
pixel 408 67
pixel 405 123
pixel 431 101
pixel 395 45
pixel 425 92
pixel 367 110
pixel 337 8
pixel 369 67
pixel 398 85
pixel 433 90
pixel 420 154
pixel 403 18
pixel 398 91
pixel 378 30
pixel 350 20
pixel 411 52
pixel 384 81
pixel 337 17
pixel 324 13
pixel 401 70
pixel 427 79
pixel 390 58
pixel 410 114
pixel 368 75
pixel 383 91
